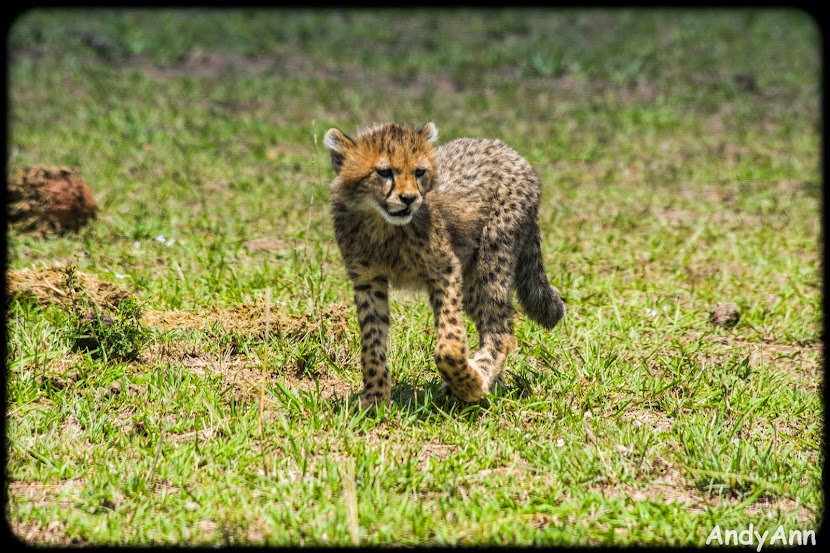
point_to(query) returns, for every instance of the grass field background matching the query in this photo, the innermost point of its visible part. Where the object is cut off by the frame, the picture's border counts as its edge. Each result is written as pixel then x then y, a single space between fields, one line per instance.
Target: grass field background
pixel 679 152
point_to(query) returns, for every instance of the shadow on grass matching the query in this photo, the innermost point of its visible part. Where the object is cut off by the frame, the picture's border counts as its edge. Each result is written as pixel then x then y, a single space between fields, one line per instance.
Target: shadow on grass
pixel 432 401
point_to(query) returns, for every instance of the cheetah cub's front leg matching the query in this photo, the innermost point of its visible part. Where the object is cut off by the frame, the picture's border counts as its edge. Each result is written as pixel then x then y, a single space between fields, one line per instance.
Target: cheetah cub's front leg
pixel 461 374
pixel 371 300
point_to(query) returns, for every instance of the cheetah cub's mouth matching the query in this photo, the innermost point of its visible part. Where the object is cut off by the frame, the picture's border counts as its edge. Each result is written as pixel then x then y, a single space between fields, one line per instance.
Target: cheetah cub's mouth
pixel 405 213
pixel 398 209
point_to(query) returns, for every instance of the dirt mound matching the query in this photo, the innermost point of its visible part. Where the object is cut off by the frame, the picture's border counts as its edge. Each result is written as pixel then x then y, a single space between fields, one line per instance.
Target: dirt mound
pixel 51 285
pixel 49 200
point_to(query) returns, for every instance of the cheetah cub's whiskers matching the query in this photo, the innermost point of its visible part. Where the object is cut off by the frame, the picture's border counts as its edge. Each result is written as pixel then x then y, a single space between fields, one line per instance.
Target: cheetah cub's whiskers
pixel 458 221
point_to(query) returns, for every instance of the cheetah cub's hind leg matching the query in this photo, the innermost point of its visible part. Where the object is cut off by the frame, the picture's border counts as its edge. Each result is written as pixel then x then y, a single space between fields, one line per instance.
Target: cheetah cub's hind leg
pixel 488 301
pixel 462 375
pixel 493 318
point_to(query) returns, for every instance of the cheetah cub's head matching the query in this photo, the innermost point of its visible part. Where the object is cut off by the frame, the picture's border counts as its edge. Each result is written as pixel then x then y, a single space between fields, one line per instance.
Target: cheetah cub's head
pixel 384 169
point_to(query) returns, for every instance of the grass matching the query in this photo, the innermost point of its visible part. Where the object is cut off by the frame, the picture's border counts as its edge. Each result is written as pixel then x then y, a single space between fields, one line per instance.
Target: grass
pixel 679 152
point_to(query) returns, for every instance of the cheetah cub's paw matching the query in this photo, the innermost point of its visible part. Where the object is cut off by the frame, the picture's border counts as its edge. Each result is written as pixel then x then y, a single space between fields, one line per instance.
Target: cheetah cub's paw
pixel 374 398
pixel 472 386
pixel 498 381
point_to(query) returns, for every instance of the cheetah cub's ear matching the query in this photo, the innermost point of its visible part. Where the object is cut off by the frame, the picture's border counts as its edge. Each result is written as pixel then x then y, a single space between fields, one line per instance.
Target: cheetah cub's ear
pixel 337 144
pixel 430 132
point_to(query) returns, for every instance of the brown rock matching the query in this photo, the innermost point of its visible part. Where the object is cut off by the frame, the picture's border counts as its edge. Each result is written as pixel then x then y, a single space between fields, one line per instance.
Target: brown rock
pixel 725 314
pixel 49 200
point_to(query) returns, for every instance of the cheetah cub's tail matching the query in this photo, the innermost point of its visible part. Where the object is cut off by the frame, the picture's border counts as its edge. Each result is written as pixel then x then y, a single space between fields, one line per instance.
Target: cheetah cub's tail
pixel 540 300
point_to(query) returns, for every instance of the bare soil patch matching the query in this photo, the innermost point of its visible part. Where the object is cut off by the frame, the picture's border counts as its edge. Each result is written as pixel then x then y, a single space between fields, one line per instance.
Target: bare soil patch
pixel 244 375
pixel 222 64
pixel 49 200
pixel 268 245
pixel 207 64
pixel 671 486
pixel 800 362
pixel 329 385
pixel 41 494
pixel 435 453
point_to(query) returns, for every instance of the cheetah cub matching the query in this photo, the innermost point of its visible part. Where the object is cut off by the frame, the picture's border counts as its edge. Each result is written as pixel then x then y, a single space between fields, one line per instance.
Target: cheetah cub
pixel 459 221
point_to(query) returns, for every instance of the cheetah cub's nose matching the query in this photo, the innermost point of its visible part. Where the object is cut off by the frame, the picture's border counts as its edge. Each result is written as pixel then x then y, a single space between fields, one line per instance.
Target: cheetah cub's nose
pixel 408 199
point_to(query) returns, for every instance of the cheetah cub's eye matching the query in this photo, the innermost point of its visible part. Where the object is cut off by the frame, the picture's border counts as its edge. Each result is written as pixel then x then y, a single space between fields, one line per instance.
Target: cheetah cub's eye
pixel 385 173
pixel 420 172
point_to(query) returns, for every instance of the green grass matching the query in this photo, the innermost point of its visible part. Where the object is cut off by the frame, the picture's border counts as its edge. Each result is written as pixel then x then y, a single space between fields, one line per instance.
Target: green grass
pixel 671 183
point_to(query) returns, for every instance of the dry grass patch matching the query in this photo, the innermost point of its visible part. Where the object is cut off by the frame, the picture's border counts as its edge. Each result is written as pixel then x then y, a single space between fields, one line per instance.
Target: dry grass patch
pixel 50 285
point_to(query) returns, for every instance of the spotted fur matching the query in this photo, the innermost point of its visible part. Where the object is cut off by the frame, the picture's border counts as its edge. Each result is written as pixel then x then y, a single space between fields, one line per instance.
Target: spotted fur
pixel 458 221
